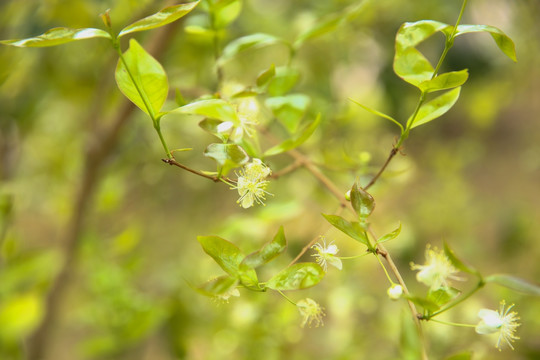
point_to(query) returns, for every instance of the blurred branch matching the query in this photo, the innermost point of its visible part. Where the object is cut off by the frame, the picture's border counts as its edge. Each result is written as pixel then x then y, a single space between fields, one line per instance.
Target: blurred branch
pixel 100 145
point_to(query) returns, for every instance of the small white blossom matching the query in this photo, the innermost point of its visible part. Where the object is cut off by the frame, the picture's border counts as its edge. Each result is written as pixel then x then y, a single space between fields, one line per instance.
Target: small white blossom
pixel 395 291
pixel 251 183
pixel 327 255
pixel 311 312
pixel 503 322
pixel 437 270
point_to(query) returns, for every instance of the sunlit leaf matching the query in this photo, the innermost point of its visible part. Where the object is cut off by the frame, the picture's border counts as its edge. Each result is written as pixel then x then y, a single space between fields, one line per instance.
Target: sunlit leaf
pixel 268 252
pixel 503 41
pixel 462 356
pixel 19 316
pixel 297 140
pixel 514 283
pixel 297 276
pixel 458 264
pixel 445 81
pixel 390 236
pixel 142 79
pixel 161 18
pixel 320 28
pixel 248 276
pixel 57 36
pixel 429 305
pixel 247 42
pixel 289 109
pixel 442 296
pixel 221 129
pixel 412 66
pixel 267 75
pixel 211 108
pixel 378 113
pixel 225 12
pixel 228 156
pixel 218 286
pixel 362 202
pixel 226 254
pixel 410 34
pixel 354 230
pixel 283 81
pixel 436 107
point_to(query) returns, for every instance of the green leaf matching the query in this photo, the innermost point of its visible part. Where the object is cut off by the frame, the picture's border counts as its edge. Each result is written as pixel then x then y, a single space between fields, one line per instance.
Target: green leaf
pixel 503 41
pixel 412 66
pixel 320 28
pixel 57 36
pixel 462 356
pixel 221 129
pixel 362 202
pixel 443 295
pixel 218 286
pixel 228 156
pixel 211 108
pixel 19 316
pixel 296 141
pixel 378 113
pixel 289 109
pixel 458 264
pixel 410 34
pixel 248 277
pixel 283 81
pixel 226 254
pixel 253 41
pixel 298 276
pixel 445 81
pixel 514 283
pixel 161 18
pixel 436 107
pixel 225 12
pixel 390 236
pixel 142 79
pixel 425 303
pixel 268 252
pixel 267 75
pixel 354 230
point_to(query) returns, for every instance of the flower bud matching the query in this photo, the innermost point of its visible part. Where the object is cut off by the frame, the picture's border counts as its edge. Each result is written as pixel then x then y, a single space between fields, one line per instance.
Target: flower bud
pixel 395 291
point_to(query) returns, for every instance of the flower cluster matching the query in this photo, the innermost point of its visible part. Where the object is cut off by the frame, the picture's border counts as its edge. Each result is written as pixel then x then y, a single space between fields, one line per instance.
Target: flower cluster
pixel 311 312
pixel 503 322
pixel 251 183
pixel 437 270
pixel 327 255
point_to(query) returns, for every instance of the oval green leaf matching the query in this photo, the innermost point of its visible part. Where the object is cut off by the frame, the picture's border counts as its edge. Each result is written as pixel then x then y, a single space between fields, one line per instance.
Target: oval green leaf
pixel 378 113
pixel 211 108
pixel 445 81
pixel 218 286
pixel 354 230
pixel 58 36
pixel 298 276
pixel 302 137
pixel 247 42
pixel 161 18
pixel 514 283
pixel 436 107
pixel 268 252
pixel 289 109
pixel 458 264
pixel 142 79
pixel 226 254
pixel 503 41
pixel 228 156
pixel 362 202
pixel 390 236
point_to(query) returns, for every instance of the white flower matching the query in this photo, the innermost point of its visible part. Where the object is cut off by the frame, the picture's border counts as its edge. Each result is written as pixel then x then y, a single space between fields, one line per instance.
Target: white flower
pixel 395 291
pixel 251 183
pixel 311 312
pixel 437 270
pixel 503 321
pixel 327 255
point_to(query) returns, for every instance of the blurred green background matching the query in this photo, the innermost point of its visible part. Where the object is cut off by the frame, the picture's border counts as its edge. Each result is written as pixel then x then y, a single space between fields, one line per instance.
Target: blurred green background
pixel 470 178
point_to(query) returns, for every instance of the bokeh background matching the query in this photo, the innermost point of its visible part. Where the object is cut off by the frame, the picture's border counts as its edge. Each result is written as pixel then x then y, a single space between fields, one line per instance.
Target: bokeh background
pixel 470 178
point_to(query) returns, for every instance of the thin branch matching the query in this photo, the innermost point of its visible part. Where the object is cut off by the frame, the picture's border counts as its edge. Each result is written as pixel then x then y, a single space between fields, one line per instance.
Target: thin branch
pixel 295 165
pixel 381 170
pixel 173 162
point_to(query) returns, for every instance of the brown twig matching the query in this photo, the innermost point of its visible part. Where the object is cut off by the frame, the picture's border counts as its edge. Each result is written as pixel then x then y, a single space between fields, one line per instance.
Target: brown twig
pixel 100 146
pixel 295 165
pixel 393 153
pixel 173 162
